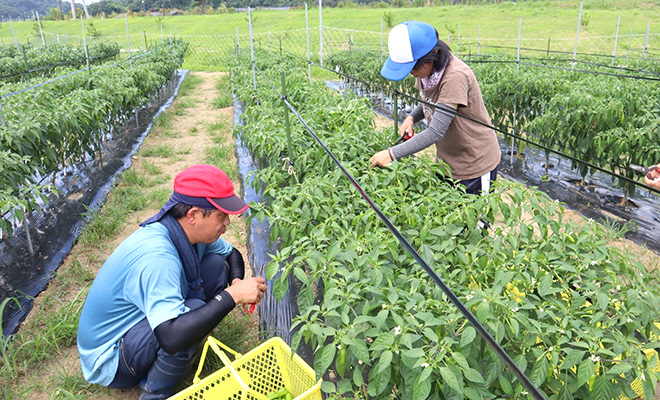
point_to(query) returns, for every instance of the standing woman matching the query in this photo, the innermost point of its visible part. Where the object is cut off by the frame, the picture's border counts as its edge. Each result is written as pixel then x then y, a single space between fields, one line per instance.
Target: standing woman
pixel 470 149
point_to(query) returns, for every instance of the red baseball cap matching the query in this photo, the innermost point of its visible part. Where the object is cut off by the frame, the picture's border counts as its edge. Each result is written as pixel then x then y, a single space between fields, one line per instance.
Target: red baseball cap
pixel 211 183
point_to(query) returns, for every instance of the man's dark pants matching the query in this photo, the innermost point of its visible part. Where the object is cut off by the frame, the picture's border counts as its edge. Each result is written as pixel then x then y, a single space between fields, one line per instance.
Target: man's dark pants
pixel 141 359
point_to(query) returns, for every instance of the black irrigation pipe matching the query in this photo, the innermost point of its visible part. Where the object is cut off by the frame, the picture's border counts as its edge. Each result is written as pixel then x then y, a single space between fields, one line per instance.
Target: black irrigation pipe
pixel 71 74
pixel 584 71
pixel 524 380
pixel 54 66
pixel 453 112
pixel 555 60
pixel 571 53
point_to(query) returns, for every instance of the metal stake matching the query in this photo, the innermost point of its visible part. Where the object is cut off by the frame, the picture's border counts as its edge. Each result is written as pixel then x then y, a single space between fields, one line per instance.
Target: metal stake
pixel 128 41
pixel 577 34
pixel 254 75
pixel 616 39
pixel 41 31
pixel 11 24
pixel 321 31
pixel 646 40
pixel 82 23
pixel 309 61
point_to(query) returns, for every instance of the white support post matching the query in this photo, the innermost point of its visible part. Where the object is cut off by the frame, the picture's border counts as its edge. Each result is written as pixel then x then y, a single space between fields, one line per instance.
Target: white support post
pixel 128 42
pixel 321 31
pixel 519 41
pixel 616 39
pixel 381 40
pixel 26 225
pixel 479 40
pixel 577 35
pixel 82 24
pixel 646 40
pixel 458 40
pixel 254 75
pixel 11 25
pixel 41 31
pixel 309 60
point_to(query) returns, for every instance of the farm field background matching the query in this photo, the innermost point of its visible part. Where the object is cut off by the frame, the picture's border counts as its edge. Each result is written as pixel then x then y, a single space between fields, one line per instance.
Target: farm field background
pixel 540 20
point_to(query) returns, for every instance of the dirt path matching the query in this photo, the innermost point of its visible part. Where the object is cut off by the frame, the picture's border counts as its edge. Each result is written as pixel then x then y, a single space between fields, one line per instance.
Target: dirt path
pixel 193 126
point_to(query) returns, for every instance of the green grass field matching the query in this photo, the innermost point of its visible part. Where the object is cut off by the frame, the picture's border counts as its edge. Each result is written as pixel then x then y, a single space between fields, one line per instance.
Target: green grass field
pixel 540 19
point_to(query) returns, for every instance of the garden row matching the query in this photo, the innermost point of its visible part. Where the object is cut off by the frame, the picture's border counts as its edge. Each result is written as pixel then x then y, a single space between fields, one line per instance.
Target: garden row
pixel 41 61
pixel 66 121
pixel 575 315
pixel 608 121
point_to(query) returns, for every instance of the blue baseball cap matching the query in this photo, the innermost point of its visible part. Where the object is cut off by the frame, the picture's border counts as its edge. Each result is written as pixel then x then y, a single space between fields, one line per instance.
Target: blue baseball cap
pixel 407 43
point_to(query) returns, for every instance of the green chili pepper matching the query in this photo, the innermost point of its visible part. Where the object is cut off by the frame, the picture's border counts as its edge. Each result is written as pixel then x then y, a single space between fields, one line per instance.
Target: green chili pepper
pixel 280 394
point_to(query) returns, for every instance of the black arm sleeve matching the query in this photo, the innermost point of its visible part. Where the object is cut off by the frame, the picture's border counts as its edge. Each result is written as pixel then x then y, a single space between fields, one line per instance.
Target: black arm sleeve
pixel 192 327
pixel 236 265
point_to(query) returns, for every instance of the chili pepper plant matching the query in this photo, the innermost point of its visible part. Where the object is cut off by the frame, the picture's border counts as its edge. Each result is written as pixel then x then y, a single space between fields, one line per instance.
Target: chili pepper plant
pixel 576 315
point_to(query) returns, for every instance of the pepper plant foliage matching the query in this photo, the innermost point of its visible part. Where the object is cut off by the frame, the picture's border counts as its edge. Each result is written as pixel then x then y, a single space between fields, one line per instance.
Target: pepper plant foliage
pixel 576 315
pixel 66 122
pixel 41 61
pixel 608 121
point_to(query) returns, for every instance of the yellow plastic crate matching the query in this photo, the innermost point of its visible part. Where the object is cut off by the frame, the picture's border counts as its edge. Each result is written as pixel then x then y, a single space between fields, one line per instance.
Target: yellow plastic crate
pixel 263 370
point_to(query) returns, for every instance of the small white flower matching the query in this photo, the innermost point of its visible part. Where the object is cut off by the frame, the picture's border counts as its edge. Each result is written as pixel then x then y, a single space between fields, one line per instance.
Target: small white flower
pixel 541 309
pixel 562 331
pixel 593 262
pixel 360 362
pixel 550 348
pixel 594 358
pixel 397 330
pixel 533 281
pixel 618 287
pixel 515 309
pixel 643 377
pixel 485 300
pixel 339 346
pixel 629 320
pixel 425 365
pixel 469 297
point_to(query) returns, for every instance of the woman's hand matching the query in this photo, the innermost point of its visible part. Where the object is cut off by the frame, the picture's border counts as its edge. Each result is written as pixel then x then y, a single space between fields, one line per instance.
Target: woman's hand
pixel 406 129
pixel 653 177
pixel 381 159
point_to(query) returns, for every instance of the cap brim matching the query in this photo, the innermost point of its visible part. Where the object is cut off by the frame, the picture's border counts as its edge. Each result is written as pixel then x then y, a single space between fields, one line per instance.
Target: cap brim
pixel 230 205
pixel 394 71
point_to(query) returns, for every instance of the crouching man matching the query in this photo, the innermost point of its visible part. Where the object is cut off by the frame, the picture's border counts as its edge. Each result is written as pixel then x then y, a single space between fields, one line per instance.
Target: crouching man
pixel 164 288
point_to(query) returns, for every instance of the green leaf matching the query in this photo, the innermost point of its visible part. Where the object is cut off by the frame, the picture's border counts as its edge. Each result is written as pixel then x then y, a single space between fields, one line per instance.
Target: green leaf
pixel 468 336
pixel 620 368
pixel 504 384
pixel 602 388
pixel 450 379
pixel 360 351
pixel 385 360
pixel 323 359
pixel 473 375
pixel 539 371
pixel 328 387
pixel 384 341
pixel 422 389
pixel 460 359
pixel 280 286
pixel 585 371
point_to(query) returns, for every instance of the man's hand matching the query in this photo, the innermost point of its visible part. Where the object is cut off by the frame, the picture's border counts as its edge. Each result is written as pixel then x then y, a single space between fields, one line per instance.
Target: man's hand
pixel 248 290
pixel 653 177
